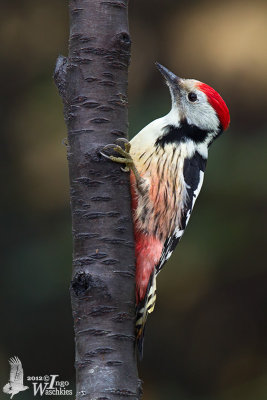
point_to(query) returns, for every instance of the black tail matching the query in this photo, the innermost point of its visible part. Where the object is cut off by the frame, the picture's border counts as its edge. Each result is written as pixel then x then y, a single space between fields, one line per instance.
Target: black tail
pixel 145 307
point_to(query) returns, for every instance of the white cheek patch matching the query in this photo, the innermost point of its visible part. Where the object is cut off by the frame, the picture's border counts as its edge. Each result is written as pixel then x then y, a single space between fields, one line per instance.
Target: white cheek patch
pixel 200 113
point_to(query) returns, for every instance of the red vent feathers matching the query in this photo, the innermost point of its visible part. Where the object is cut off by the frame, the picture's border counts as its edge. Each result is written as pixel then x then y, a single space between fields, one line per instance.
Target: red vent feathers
pixel 217 103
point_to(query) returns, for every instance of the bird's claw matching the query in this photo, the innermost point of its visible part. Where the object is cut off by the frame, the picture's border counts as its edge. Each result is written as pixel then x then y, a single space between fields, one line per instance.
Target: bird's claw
pixel 125 169
pixel 121 139
pixel 104 155
pixel 125 159
pixel 107 147
pixel 127 144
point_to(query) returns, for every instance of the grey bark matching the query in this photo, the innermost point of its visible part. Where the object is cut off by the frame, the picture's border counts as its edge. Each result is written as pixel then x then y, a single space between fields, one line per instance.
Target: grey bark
pixel 92 82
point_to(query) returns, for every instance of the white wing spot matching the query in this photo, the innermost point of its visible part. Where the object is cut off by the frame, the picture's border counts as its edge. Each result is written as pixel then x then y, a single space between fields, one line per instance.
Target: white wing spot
pixel 168 255
pixel 196 192
pixel 178 233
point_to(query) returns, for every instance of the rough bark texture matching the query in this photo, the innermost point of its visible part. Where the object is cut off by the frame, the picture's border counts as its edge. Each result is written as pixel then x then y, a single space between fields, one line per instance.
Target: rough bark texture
pixel 92 82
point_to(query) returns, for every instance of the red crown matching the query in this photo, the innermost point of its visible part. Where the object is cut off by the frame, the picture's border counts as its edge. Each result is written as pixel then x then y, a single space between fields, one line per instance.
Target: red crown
pixel 217 102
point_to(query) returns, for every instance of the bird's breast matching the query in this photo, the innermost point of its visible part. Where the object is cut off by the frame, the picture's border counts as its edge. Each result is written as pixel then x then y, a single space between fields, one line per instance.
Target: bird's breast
pixel 158 210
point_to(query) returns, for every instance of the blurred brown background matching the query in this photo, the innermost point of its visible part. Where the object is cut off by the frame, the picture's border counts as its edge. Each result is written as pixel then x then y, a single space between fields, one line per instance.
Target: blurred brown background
pixel 206 339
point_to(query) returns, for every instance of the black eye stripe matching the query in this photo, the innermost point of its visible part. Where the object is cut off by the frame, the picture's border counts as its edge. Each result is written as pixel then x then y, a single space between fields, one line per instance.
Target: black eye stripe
pixel 192 96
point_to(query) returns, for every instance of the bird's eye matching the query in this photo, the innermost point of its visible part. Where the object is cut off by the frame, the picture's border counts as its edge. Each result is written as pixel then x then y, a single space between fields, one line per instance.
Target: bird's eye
pixel 192 96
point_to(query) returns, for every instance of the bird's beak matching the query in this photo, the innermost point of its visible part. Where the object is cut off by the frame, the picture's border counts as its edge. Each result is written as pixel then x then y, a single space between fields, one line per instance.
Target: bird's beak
pixel 174 83
pixel 172 80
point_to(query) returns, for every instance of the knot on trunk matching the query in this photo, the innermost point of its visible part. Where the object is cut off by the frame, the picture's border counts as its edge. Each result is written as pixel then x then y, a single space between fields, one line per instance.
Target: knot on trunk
pixel 84 284
pixel 124 40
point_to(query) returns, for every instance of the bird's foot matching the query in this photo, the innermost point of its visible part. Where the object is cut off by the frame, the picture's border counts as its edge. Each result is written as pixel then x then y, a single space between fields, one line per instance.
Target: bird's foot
pixel 125 159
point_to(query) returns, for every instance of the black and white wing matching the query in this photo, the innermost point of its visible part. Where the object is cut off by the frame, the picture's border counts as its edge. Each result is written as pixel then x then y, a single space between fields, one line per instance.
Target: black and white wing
pixel 16 371
pixel 193 175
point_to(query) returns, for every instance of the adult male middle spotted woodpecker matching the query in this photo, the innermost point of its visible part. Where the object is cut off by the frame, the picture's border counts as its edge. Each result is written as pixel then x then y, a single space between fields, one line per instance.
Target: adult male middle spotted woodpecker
pixel 167 160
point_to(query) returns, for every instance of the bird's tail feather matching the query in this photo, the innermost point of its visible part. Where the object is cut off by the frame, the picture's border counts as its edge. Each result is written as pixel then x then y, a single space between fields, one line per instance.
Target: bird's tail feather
pixel 145 307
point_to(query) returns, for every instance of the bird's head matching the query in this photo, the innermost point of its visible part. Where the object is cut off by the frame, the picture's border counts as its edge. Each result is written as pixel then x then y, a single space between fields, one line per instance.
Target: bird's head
pixel 198 111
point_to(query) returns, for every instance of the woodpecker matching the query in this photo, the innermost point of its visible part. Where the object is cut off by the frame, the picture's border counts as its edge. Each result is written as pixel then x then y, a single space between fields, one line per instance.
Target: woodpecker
pixel 167 161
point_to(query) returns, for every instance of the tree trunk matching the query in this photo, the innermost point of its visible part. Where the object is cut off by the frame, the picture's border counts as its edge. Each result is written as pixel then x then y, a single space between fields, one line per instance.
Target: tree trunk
pixel 92 82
